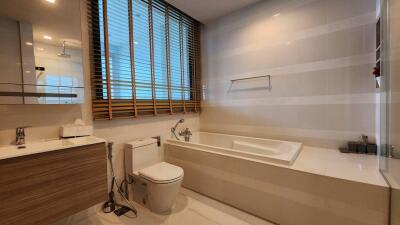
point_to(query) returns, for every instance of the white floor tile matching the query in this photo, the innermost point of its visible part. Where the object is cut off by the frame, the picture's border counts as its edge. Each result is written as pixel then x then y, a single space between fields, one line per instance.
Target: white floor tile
pixel 252 220
pixel 214 214
pixel 191 208
pixel 189 216
pixel 216 205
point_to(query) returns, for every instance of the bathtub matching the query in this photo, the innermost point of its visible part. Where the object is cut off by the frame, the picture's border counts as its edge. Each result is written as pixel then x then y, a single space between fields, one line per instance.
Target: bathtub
pixel 249 148
pixel 246 176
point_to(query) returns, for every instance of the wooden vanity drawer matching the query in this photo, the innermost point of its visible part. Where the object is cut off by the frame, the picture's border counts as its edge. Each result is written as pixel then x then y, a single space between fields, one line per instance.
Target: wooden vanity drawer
pixel 42 188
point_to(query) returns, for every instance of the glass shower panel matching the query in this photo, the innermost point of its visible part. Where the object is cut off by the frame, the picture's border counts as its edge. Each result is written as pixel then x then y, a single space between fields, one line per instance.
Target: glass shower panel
pixel 390 102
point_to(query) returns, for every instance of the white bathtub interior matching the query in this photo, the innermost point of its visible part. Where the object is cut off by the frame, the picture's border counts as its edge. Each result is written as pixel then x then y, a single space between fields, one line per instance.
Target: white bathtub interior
pixel 260 149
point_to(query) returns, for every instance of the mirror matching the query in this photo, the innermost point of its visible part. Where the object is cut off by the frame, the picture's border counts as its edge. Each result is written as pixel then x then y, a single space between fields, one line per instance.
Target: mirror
pixel 41 53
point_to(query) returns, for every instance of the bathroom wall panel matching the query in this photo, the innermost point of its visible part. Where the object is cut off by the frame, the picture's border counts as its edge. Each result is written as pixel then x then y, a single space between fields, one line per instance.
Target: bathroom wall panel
pixel 320 54
pixel 10 55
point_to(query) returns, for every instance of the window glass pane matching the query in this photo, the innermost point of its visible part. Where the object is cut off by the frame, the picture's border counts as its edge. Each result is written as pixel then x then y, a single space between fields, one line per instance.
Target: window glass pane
pixel 102 50
pixel 180 54
pixel 175 58
pixel 142 50
pixel 186 54
pixel 160 54
pixel 118 33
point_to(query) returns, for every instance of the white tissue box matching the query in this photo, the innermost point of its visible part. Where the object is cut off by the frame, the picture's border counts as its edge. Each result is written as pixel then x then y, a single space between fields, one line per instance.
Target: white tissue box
pixel 76 130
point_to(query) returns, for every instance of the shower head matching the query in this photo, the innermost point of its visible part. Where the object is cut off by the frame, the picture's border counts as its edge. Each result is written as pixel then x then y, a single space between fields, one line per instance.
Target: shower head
pixel 63 54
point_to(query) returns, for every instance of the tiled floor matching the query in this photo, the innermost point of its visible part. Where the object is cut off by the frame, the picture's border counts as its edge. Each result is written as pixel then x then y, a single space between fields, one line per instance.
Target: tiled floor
pixel 191 209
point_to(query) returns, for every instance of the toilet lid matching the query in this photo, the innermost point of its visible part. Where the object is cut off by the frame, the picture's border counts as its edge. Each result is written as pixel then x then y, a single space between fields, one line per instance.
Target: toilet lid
pixel 162 172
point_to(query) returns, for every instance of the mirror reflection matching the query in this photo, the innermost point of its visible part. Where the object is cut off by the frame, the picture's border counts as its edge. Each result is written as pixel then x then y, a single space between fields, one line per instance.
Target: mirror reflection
pixel 42 57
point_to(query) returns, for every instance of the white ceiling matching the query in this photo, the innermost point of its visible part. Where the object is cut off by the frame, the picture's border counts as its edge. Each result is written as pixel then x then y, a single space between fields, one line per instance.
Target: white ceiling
pixel 207 10
pixel 60 20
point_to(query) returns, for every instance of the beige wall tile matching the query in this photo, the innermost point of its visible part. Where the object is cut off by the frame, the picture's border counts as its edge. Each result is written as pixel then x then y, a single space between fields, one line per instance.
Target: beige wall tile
pixel 319 53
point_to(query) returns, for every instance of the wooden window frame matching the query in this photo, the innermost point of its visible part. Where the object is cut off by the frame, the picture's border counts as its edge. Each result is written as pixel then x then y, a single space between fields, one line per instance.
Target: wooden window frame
pixel 104 106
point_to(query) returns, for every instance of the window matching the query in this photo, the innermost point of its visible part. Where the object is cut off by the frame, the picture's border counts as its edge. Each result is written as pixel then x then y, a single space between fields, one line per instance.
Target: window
pixel 145 59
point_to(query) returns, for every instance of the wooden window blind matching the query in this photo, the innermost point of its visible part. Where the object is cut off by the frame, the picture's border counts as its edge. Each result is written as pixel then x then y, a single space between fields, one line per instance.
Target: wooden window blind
pixel 145 59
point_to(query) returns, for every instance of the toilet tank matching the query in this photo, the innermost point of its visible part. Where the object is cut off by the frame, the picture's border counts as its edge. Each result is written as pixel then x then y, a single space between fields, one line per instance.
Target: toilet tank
pixel 140 154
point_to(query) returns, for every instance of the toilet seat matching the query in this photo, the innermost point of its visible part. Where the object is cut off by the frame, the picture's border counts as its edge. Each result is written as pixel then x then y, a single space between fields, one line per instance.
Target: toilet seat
pixel 162 173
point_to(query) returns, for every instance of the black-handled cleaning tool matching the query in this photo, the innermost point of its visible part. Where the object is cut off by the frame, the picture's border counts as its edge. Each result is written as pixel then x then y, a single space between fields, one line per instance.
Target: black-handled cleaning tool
pixel 109 206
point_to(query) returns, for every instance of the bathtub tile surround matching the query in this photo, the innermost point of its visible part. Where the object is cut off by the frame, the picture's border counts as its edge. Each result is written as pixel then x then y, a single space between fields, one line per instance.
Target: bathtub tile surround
pixel 323 186
pixel 191 208
pixel 319 53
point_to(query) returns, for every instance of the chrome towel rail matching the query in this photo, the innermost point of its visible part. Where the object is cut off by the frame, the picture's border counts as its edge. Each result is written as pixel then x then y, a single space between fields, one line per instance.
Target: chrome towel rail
pixel 254 77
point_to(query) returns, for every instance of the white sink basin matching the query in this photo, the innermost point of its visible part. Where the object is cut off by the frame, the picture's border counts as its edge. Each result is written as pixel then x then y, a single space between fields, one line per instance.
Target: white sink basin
pixel 11 151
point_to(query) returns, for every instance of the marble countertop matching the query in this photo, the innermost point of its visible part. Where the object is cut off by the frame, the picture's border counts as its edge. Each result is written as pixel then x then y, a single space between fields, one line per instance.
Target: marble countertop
pixel 348 166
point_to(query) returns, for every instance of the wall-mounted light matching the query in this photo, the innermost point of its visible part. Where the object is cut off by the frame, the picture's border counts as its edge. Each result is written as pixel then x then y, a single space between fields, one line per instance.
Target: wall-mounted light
pixel 29 43
pixel 47 37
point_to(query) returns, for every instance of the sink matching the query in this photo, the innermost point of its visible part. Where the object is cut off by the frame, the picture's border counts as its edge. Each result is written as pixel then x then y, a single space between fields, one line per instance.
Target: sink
pixel 11 151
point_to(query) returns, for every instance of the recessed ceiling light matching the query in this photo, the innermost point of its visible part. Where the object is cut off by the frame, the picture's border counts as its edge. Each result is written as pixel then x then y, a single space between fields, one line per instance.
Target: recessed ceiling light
pixel 276 15
pixel 47 37
pixel 40 49
pixel 51 1
pixel 28 43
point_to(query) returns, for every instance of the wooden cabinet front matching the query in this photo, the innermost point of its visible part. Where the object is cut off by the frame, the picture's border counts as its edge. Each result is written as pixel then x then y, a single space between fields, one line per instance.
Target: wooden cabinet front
pixel 42 188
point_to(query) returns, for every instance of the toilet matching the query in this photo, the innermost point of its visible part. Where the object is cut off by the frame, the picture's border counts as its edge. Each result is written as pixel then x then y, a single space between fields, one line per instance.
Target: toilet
pixel 155 184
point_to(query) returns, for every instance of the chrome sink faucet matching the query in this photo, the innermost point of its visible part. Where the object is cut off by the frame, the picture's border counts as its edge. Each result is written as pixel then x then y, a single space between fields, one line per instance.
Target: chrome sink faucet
pixel 20 135
pixel 186 133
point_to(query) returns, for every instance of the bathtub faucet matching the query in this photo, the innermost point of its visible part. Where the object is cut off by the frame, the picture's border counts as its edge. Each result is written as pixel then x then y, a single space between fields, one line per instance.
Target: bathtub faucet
pixel 173 129
pixel 186 133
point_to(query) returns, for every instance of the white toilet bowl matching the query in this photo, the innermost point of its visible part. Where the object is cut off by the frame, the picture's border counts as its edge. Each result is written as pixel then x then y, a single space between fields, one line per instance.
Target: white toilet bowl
pixel 163 182
pixel 159 182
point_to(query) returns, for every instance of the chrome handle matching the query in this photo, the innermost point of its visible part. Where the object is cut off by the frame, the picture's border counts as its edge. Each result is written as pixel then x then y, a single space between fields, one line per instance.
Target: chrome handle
pixel 21 130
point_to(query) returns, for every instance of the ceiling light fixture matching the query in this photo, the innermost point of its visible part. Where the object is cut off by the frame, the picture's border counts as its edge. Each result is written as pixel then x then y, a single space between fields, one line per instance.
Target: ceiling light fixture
pixel 28 43
pixel 47 37
pixel 51 1
pixel 276 15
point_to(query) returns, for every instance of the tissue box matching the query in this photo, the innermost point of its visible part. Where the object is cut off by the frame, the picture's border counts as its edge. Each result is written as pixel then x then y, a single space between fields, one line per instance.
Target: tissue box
pixel 76 130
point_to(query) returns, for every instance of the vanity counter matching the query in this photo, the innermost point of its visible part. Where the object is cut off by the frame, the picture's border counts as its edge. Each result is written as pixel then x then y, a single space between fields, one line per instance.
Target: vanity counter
pixel 12 151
